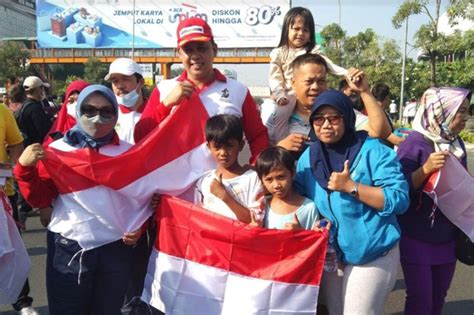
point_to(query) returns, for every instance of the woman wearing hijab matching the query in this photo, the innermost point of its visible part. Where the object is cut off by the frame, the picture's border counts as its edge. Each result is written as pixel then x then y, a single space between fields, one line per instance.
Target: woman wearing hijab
pixel 357 184
pixel 428 237
pixel 89 253
pixel 67 114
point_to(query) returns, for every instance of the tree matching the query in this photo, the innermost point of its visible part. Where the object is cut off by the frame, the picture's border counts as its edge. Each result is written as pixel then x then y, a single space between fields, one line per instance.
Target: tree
pixel 334 37
pixel 427 37
pixel 13 63
pixel 380 60
pixel 61 72
pixel 95 71
pixel 60 86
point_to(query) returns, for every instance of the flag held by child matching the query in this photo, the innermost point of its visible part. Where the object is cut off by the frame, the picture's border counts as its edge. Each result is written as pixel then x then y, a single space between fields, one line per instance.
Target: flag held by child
pixel 204 263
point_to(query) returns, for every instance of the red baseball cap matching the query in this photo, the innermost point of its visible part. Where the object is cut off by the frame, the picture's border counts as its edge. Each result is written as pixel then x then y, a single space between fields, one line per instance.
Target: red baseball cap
pixel 193 30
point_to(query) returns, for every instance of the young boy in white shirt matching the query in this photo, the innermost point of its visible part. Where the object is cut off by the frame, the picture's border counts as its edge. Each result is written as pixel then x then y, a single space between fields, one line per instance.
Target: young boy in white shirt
pixel 232 190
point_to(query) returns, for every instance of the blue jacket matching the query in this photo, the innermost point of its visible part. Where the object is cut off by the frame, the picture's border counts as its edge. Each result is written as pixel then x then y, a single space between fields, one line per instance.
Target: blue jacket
pixel 363 233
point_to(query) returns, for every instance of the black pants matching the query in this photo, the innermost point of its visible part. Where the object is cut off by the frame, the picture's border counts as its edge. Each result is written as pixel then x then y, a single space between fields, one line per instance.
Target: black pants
pixel 86 283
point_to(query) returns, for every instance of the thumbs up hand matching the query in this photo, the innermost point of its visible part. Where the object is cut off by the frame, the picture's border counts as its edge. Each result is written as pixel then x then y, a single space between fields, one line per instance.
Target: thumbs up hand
pixel 341 181
pixel 218 189
pixel 294 224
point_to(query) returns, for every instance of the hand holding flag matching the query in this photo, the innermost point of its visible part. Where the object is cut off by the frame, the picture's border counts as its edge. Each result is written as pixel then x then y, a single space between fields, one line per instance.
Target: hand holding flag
pixel 294 225
pixel 32 154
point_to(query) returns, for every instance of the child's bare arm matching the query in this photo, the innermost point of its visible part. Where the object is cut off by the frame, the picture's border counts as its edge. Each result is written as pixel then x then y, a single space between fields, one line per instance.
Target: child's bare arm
pixel 218 190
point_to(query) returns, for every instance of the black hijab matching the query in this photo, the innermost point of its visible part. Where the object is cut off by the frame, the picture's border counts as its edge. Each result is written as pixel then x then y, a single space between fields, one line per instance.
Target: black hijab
pixel 328 158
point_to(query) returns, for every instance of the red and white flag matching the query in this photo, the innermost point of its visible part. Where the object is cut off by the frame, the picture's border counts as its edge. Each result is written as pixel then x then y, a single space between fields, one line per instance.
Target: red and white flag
pixel 451 190
pixel 204 263
pixel 110 191
pixel 14 260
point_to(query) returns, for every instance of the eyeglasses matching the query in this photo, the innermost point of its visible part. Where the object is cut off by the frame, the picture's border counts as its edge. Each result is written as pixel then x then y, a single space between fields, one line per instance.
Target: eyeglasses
pixel 91 111
pixel 319 120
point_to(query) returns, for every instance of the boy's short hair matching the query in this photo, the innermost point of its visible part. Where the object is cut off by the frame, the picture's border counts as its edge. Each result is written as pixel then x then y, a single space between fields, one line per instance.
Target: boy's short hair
pixel 222 128
pixel 308 58
pixel 271 157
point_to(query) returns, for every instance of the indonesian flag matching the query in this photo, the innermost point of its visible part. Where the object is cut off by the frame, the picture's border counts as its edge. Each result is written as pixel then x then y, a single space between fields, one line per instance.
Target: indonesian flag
pixel 105 194
pixel 451 190
pixel 14 260
pixel 175 153
pixel 204 263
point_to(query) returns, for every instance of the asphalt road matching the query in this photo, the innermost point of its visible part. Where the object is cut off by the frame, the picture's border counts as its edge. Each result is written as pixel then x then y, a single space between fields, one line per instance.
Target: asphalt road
pixel 460 299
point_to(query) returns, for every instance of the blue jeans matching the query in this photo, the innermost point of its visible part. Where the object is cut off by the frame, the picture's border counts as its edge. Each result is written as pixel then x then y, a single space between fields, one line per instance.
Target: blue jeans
pixel 89 285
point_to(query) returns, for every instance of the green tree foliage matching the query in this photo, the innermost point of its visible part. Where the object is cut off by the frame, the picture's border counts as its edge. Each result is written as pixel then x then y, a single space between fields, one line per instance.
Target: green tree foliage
pixel 61 72
pixel 60 86
pixel 381 60
pixel 334 37
pixel 458 73
pixel 13 61
pixel 461 9
pixel 427 38
pixel 95 71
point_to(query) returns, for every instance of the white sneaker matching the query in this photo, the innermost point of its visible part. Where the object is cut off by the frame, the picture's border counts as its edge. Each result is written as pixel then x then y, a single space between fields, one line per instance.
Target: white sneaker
pixel 28 311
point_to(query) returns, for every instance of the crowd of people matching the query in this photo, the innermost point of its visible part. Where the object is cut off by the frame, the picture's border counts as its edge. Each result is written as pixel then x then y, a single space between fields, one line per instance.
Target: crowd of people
pixel 316 163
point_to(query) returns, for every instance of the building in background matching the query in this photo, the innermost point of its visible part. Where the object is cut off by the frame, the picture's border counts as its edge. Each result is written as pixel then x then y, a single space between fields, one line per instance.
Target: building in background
pixel 17 19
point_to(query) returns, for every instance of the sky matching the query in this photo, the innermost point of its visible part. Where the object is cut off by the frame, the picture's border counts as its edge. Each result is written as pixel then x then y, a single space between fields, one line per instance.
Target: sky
pixel 356 16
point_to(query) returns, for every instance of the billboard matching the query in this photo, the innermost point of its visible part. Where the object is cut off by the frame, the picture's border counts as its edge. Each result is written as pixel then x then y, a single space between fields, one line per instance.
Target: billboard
pixel 152 23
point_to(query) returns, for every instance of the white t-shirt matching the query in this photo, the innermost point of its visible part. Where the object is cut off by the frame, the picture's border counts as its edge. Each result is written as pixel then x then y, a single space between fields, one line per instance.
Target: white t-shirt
pixel 246 189
pixel 393 108
pixel 126 125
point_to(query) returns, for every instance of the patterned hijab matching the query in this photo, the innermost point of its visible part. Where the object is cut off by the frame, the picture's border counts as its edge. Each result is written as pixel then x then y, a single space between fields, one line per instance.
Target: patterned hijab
pixel 436 111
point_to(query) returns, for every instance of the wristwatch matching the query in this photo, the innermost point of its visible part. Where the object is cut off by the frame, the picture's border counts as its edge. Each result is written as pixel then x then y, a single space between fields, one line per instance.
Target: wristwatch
pixel 355 190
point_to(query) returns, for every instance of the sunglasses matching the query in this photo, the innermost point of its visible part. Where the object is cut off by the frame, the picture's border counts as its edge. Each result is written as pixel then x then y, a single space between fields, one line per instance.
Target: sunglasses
pixel 91 111
pixel 319 120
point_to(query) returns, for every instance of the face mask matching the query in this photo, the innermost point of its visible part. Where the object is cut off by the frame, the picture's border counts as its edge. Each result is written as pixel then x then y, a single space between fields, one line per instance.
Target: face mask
pixel 71 109
pixel 97 126
pixel 128 100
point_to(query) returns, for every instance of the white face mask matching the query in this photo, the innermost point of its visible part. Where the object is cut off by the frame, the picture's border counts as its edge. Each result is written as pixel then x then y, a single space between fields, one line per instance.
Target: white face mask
pixel 71 109
pixel 128 100
pixel 97 126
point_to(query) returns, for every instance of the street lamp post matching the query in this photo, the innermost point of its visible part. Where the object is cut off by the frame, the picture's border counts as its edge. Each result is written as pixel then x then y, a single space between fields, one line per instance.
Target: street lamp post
pixel 402 88
pixel 339 2
pixel 133 32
